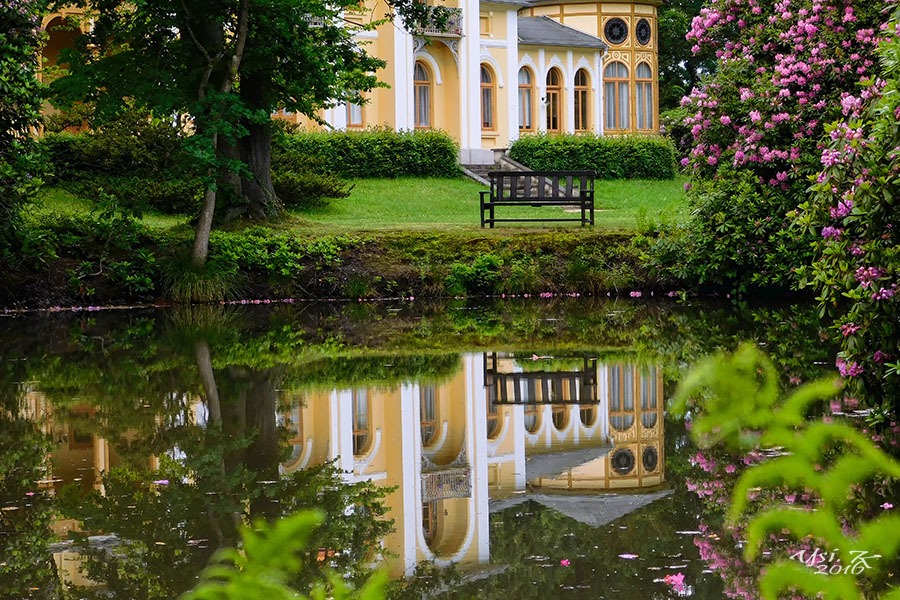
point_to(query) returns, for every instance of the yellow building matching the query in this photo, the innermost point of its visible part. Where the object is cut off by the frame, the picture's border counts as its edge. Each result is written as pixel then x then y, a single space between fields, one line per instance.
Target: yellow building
pixel 501 68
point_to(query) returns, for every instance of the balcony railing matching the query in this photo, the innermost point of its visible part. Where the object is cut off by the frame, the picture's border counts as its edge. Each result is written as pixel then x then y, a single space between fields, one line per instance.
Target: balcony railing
pixel 446 483
pixel 453 27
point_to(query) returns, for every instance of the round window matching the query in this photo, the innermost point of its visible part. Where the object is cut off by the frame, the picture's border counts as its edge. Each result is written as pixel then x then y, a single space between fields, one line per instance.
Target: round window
pixel 616 31
pixel 651 459
pixel 643 31
pixel 623 461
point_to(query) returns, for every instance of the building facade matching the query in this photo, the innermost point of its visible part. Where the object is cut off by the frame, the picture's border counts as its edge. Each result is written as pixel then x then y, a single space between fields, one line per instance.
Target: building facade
pixel 499 69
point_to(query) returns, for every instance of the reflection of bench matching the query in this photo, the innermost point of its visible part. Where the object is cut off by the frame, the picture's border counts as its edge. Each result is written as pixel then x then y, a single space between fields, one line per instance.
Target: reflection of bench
pixel 555 387
pixel 539 188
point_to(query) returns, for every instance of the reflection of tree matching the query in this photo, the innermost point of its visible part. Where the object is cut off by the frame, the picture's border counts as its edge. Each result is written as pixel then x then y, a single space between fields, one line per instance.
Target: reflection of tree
pixel 218 469
pixel 26 566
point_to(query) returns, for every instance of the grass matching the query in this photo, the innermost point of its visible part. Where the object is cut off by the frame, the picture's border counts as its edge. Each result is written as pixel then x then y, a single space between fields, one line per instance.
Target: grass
pixel 441 204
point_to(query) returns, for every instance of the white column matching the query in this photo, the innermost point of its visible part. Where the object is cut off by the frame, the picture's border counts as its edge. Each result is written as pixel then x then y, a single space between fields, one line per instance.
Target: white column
pixel 477 451
pixel 404 62
pixel 411 516
pixel 600 122
pixel 569 86
pixel 518 433
pixel 542 91
pixel 512 77
pixel 470 80
pixel 342 430
pixel 603 396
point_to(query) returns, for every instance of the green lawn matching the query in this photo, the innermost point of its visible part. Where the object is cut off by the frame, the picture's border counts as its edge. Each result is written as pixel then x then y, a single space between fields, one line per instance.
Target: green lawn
pixel 411 203
pixel 453 203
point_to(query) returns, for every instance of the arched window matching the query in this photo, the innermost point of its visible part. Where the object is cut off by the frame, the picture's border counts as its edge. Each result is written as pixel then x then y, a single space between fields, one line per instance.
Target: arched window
pixel 616 96
pixel 643 75
pixel 422 98
pixel 526 100
pixel 487 98
pixel 429 521
pixel 361 424
pixel 532 421
pixel 649 396
pixel 428 414
pixel 554 101
pixel 582 102
pixel 493 419
pixel 621 397
pixel 560 416
pixel 588 415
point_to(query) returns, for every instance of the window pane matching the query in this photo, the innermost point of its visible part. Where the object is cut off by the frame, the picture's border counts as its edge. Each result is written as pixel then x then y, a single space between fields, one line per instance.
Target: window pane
pixel 487 108
pixel 485 75
pixel 354 114
pixel 609 102
pixel 640 106
pixel 623 106
pixel 643 71
pixel 524 76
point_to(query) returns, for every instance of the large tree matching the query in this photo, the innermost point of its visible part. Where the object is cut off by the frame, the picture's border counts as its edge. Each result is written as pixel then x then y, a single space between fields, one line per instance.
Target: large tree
pixel 680 68
pixel 227 64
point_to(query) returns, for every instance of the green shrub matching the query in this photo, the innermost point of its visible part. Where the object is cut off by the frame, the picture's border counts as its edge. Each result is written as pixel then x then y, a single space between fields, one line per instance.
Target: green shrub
pixel 481 278
pixel 168 195
pixel 300 183
pixel 377 152
pixel 619 157
pixel 215 281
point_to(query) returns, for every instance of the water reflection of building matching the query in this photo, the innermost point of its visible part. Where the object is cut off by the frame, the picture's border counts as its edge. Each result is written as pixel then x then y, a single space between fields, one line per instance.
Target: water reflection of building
pixel 503 429
pixel 500 428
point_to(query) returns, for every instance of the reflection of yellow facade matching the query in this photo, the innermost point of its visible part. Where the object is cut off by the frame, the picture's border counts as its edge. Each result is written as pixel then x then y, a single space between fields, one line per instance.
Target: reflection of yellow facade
pixel 453 449
pixel 500 68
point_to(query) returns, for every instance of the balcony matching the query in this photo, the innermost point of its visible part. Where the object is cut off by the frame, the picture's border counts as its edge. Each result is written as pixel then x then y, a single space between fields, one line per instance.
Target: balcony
pixel 453 27
pixel 446 483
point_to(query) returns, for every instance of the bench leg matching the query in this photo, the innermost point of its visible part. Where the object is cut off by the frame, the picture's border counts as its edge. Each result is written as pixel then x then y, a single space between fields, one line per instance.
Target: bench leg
pixel 583 216
pixel 492 216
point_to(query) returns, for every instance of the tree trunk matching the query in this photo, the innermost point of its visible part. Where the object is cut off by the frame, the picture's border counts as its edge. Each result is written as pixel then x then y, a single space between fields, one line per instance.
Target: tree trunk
pixel 256 150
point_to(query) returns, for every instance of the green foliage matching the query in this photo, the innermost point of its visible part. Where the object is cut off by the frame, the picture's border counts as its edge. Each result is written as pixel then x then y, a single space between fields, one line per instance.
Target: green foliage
pixel 213 281
pixel 853 215
pixel 267 561
pixel 377 152
pixel 680 69
pixel 739 405
pixel 612 157
pixel 481 278
pixel 21 94
pixel 300 181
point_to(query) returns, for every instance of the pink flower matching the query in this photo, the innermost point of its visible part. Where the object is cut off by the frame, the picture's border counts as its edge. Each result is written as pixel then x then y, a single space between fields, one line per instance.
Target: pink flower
pixel 565 562
pixel 628 556
pixel 161 482
pixel 676 581
pixel 887 506
pixel 830 232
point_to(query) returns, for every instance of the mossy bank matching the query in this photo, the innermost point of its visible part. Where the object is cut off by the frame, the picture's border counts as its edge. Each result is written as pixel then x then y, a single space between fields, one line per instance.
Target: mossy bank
pixel 85 261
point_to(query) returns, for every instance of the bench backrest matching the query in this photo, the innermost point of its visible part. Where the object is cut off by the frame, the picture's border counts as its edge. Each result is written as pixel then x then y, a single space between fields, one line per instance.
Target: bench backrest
pixel 541 185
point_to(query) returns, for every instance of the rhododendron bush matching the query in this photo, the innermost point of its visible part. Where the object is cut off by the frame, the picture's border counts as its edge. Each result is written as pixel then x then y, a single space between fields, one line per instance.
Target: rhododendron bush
pixel 786 69
pixel 855 213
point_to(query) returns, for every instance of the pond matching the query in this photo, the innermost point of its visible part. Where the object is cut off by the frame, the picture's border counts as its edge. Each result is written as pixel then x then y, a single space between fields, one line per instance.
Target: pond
pixel 510 449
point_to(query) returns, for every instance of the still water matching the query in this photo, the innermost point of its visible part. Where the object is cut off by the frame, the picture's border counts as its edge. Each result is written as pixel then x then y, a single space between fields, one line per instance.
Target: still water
pixel 514 450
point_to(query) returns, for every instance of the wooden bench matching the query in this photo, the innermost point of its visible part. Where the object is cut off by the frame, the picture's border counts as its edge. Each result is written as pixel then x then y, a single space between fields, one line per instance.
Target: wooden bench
pixel 539 188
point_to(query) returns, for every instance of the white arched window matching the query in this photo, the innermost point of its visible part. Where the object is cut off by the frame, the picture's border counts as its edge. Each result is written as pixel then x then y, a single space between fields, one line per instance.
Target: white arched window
pixel 487 98
pixel 616 106
pixel 554 101
pixel 422 98
pixel 582 102
pixel 526 100
pixel 644 82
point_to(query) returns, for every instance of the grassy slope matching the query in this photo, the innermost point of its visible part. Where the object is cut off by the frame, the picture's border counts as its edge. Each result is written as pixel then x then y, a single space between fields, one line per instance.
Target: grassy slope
pixel 439 204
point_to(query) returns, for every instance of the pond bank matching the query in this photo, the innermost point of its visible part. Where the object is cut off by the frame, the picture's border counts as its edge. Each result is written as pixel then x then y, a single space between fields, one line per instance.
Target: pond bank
pixel 85 267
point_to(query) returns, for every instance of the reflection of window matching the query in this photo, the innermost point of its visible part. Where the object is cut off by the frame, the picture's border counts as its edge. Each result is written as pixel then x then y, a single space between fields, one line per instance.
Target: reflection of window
pixel 361 423
pixel 644 82
pixel 648 396
pixel 422 84
pixel 582 105
pixel 487 98
pixel 531 418
pixel 554 95
pixel 616 95
pixel 560 416
pixel 526 102
pixel 588 415
pixel 428 416
pixel 493 420
pixel 429 521
pixel 621 396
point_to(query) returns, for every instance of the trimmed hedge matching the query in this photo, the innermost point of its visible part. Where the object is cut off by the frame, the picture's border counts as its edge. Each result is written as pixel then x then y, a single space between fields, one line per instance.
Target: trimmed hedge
pixel 613 157
pixel 378 152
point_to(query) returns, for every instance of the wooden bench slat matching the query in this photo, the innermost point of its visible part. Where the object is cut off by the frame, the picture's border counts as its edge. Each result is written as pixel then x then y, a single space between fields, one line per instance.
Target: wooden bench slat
pixel 517 188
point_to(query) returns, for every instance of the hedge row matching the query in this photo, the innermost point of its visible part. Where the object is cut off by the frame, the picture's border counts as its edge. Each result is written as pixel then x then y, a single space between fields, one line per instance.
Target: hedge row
pixel 378 152
pixel 613 157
